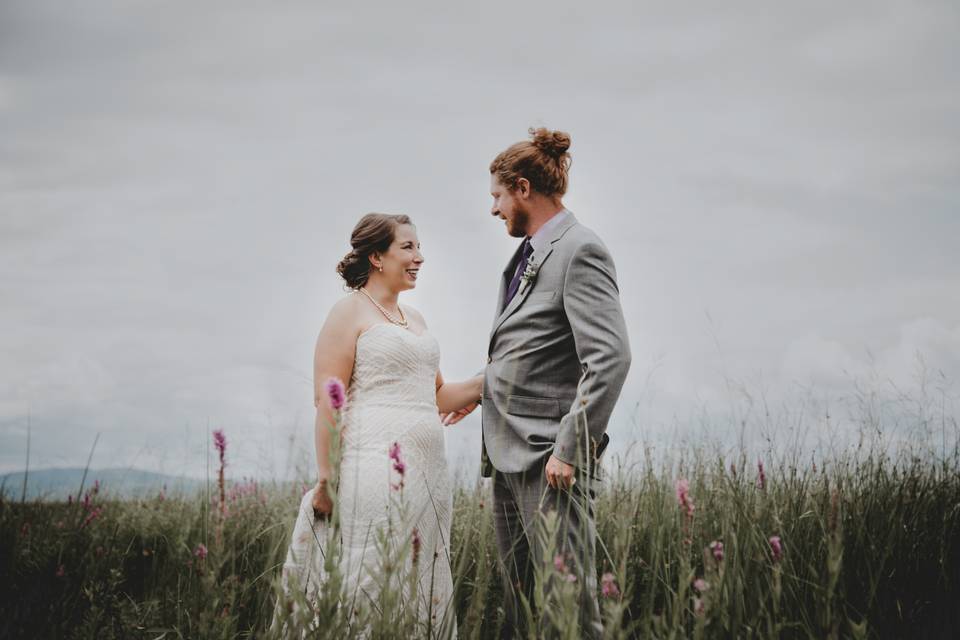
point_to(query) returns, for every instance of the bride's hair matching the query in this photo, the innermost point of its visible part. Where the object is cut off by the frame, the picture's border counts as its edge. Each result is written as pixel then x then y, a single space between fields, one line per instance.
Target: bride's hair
pixel 373 234
pixel 543 161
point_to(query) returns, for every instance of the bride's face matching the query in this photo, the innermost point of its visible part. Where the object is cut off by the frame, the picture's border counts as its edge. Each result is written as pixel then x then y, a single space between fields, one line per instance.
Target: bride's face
pixel 401 263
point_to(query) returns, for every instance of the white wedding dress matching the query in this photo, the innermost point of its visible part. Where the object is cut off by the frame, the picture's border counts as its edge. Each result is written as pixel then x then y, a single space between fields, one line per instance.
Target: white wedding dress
pixel 391 399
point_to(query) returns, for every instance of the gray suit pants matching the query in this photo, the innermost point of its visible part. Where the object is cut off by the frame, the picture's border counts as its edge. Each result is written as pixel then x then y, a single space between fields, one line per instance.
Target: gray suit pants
pixel 518 501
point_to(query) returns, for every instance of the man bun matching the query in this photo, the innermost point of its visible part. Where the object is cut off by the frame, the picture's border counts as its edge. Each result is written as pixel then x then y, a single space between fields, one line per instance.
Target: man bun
pixel 553 143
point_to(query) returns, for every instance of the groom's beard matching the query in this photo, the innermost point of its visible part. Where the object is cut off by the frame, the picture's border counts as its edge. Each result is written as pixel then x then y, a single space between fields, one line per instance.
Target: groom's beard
pixel 517 226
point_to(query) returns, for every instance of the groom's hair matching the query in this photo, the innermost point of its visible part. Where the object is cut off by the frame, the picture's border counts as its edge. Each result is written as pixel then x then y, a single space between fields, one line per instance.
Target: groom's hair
pixel 373 234
pixel 543 161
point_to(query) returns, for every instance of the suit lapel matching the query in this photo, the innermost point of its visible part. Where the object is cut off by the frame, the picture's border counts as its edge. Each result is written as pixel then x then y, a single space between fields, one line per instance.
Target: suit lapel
pixel 538 258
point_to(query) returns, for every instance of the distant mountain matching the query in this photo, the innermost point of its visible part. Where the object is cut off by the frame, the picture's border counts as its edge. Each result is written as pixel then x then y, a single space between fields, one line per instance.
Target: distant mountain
pixel 57 484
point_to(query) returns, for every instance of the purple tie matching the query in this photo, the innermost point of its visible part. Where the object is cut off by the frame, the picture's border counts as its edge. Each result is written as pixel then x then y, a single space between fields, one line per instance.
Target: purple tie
pixel 525 254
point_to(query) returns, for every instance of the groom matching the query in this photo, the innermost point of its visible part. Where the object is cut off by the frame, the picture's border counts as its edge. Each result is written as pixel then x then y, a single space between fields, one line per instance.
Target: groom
pixel 557 359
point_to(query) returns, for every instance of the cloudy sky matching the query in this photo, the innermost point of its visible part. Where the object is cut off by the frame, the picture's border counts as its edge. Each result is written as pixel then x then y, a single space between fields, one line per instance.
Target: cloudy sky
pixel 780 189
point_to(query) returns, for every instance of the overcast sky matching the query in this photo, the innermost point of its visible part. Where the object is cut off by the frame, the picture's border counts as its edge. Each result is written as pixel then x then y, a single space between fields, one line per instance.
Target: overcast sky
pixel 779 187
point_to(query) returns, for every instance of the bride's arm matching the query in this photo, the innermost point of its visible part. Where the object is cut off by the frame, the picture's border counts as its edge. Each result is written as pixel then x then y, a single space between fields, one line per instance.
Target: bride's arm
pixel 333 358
pixel 453 396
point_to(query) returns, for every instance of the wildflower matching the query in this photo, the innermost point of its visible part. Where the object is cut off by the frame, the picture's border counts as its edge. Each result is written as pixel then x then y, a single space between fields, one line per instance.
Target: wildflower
pixel 701 585
pixel 335 393
pixel 96 487
pixel 416 545
pixel 61 571
pixel 220 442
pixel 683 497
pixel 398 464
pixel 93 515
pixel 570 578
pixel 698 607
pixel 776 548
pixel 716 549
pixel 608 586
pixel 559 564
pixel 761 476
pixel 201 552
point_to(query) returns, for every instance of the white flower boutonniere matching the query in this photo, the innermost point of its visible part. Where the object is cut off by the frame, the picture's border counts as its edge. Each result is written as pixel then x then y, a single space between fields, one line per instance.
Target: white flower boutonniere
pixel 529 275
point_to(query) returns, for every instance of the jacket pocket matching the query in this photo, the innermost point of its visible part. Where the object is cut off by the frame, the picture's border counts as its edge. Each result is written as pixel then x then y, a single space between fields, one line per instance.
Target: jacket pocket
pixel 534 407
pixel 541 296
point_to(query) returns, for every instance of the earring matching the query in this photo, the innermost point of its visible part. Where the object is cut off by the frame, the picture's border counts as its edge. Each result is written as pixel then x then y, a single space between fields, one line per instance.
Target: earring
pixel 380 268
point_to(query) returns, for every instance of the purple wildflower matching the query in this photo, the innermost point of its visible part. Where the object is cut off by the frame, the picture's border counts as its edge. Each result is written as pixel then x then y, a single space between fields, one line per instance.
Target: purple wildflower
pixel 416 545
pixel 608 586
pixel 220 443
pixel 398 464
pixel 761 476
pixel 716 549
pixel 683 497
pixel 335 393
pixel 776 548
pixel 93 515
pixel 698 607
pixel 701 585
pixel 201 552
pixel 559 564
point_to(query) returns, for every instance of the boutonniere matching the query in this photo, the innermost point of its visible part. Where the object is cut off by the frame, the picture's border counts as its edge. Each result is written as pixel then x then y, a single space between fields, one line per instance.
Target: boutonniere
pixel 529 275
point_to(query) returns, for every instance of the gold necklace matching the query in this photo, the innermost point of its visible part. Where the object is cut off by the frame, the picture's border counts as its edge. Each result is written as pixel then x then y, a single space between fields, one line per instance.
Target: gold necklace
pixel 402 322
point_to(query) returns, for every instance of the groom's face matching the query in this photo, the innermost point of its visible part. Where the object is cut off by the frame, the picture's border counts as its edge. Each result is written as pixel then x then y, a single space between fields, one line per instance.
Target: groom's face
pixel 509 207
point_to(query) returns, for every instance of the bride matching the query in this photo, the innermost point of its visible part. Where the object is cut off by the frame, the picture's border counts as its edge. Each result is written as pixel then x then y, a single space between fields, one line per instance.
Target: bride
pixel 393 471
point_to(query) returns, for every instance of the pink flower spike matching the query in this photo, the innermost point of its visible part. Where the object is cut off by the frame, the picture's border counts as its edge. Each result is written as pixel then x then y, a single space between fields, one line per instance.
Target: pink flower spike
pixel 417 542
pixel 683 497
pixel 776 549
pixel 398 464
pixel 201 551
pixel 220 443
pixel 559 564
pixel 716 549
pixel 336 393
pixel 701 585
pixel 698 607
pixel 761 476
pixel 608 586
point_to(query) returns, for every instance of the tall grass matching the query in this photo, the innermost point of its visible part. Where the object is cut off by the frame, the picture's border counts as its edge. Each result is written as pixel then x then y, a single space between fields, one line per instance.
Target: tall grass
pixel 868 547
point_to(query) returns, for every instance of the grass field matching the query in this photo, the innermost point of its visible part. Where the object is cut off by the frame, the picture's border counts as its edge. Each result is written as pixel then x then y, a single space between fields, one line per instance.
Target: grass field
pixel 697 547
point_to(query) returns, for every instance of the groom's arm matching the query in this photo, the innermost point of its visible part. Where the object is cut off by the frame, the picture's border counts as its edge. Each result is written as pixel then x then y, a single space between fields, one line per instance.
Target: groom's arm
pixel 591 301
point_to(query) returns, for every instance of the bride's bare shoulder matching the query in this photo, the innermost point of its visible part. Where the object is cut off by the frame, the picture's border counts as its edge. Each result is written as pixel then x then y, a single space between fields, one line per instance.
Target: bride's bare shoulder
pixel 345 313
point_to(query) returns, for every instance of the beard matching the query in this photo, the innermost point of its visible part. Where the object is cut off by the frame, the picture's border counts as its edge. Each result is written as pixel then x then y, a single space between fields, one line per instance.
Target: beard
pixel 517 226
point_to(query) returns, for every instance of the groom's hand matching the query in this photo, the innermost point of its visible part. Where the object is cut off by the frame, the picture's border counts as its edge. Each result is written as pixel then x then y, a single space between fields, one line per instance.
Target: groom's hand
pixel 559 473
pixel 456 416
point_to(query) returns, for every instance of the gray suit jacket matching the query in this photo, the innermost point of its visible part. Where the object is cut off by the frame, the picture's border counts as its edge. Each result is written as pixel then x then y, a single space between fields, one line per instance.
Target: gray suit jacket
pixel 557 357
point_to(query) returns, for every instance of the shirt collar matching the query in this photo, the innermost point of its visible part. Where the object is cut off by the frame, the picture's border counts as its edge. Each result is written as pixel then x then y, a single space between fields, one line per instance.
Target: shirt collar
pixel 540 239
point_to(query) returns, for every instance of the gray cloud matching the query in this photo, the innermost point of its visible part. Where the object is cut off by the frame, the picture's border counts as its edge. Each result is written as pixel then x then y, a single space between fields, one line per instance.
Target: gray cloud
pixel 778 188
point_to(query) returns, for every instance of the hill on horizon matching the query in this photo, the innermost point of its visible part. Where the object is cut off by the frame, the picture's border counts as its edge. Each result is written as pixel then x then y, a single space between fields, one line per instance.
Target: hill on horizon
pixel 59 483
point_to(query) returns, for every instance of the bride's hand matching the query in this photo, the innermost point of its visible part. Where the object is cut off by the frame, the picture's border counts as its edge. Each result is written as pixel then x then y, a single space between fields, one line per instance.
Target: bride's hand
pixel 456 416
pixel 322 504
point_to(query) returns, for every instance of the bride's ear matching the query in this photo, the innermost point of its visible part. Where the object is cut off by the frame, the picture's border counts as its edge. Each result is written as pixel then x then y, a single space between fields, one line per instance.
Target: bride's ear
pixel 376 262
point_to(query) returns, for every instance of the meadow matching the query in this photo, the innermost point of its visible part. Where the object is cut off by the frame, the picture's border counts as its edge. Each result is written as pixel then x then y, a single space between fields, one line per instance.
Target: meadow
pixel 702 546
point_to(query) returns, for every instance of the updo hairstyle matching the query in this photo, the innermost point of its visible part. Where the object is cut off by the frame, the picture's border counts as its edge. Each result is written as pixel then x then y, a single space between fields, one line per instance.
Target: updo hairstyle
pixel 543 161
pixel 373 234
